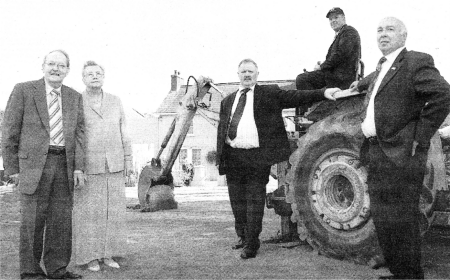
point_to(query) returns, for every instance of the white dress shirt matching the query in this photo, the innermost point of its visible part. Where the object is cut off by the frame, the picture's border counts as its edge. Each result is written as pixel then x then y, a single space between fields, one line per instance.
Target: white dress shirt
pixel 49 96
pixel 368 125
pixel 247 133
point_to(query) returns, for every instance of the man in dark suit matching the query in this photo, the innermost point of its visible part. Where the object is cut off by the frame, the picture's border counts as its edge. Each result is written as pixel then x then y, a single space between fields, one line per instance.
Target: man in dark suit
pixel 341 63
pixel 42 146
pixel 407 101
pixel 251 137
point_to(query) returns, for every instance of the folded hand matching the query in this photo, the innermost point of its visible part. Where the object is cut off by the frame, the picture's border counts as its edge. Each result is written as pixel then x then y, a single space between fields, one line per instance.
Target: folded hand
pixel 79 179
pixel 330 92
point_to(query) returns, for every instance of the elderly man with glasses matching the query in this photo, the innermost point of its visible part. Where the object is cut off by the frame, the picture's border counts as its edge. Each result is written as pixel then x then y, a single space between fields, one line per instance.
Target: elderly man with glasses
pixel 42 147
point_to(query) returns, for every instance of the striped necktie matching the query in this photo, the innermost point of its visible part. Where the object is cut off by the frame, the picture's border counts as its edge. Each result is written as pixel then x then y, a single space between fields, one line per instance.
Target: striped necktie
pixel 232 130
pixel 55 114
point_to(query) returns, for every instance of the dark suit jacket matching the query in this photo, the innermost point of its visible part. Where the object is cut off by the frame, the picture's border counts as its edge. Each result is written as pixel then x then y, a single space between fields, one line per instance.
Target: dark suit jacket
pixel 269 101
pixel 411 103
pixel 26 133
pixel 340 65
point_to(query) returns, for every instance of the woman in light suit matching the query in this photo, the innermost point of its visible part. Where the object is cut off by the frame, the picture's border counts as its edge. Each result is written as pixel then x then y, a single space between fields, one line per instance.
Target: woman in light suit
pixel 99 207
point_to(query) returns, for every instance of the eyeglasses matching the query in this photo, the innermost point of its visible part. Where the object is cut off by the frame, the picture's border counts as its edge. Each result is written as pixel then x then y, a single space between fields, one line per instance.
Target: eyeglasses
pixel 53 64
pixel 92 75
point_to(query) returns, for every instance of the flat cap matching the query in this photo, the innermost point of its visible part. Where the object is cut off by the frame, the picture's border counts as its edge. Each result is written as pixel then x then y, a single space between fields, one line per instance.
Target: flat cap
pixel 335 10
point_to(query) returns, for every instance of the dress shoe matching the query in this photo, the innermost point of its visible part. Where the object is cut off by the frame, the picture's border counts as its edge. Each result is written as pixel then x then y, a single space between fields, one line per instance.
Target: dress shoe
pixel 33 276
pixel 111 263
pixel 93 266
pixel 377 262
pixel 240 244
pixel 305 245
pixel 414 276
pixel 248 253
pixel 67 275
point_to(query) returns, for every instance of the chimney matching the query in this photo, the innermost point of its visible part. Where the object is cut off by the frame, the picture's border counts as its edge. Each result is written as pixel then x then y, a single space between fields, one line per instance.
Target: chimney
pixel 175 81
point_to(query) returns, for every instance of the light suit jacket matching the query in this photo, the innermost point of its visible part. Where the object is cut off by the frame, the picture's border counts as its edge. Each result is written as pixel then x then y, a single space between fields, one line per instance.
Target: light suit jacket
pixel 26 133
pixel 107 143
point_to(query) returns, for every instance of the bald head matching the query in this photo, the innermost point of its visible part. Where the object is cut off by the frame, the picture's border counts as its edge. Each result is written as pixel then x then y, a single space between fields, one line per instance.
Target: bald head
pixel 391 35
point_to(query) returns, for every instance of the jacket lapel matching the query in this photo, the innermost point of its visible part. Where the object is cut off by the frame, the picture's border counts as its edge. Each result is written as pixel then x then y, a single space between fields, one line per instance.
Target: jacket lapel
pixel 106 103
pixel 40 98
pixel 256 97
pixel 336 37
pixel 229 106
pixel 393 71
pixel 87 105
pixel 66 101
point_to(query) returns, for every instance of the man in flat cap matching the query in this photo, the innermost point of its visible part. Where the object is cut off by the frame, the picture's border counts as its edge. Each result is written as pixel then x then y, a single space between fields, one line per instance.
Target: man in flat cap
pixel 341 63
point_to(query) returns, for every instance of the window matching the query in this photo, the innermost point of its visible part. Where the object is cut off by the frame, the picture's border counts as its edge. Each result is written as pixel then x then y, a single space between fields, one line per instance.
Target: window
pixel 191 129
pixel 197 157
pixel 182 156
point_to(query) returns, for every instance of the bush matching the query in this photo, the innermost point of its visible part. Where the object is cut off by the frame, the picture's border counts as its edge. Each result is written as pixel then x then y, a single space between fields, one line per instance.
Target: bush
pixel 188 173
pixel 211 156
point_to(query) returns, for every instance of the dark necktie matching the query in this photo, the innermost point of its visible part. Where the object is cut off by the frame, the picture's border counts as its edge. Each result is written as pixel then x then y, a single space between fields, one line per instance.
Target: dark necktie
pixel 232 130
pixel 374 80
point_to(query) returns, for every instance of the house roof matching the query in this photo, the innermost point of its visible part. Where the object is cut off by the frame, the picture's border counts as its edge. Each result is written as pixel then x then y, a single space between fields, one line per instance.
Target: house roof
pixel 212 100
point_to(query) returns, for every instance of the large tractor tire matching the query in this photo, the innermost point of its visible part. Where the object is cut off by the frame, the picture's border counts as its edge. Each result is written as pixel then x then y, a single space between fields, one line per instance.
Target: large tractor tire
pixel 331 198
pixel 329 194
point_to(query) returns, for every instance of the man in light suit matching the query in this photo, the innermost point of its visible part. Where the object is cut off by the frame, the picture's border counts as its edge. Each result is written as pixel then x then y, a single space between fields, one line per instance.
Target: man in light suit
pixel 42 148
pixel 251 137
pixel 407 101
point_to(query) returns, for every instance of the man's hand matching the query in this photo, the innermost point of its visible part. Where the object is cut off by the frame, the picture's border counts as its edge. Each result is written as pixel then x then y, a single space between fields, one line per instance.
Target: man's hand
pixel 128 168
pixel 418 150
pixel 444 132
pixel 201 81
pixel 329 93
pixel 79 179
pixel 317 66
pixel 354 86
pixel 414 146
pixel 14 178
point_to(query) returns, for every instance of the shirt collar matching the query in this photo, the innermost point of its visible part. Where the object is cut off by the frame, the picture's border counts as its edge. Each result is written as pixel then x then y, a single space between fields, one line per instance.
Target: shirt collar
pixel 49 88
pixel 393 55
pixel 336 33
pixel 252 88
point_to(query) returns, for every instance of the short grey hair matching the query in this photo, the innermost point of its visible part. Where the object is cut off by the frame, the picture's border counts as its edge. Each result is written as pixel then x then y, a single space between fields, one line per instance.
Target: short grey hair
pixel 248 60
pixel 402 26
pixel 91 63
pixel 60 51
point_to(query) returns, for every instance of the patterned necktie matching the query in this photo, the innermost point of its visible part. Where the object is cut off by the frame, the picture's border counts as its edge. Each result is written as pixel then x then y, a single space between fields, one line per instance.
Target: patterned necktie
pixel 55 114
pixel 374 80
pixel 232 130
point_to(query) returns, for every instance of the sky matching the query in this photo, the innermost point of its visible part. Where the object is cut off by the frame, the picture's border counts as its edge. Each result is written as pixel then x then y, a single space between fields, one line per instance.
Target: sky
pixel 140 43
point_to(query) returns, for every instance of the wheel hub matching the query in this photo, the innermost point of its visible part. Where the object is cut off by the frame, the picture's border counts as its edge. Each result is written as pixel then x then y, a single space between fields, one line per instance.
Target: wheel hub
pixel 339 192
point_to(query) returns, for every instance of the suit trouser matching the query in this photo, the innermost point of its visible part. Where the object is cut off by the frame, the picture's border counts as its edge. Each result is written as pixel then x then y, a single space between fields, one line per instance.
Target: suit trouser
pixel 247 190
pixel 319 79
pixel 394 195
pixel 47 212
